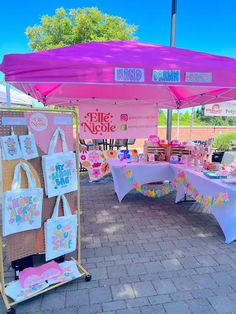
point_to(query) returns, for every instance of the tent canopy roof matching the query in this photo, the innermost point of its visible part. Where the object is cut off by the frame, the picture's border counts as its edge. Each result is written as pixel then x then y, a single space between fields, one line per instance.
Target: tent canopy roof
pixel 123 71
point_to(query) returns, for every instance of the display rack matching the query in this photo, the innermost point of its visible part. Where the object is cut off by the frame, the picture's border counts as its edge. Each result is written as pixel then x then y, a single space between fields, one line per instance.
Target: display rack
pixel 166 150
pixel 154 149
pixel 9 303
pixel 179 150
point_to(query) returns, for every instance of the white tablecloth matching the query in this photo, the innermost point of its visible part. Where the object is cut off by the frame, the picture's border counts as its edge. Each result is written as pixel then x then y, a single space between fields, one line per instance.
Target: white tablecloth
pixel 225 214
pixel 228 158
pixel 143 173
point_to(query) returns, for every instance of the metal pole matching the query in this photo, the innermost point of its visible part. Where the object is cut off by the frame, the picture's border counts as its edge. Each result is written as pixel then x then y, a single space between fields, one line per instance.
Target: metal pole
pixel 177 132
pixel 172 43
pixel 8 95
pixel 173 23
pixel 191 125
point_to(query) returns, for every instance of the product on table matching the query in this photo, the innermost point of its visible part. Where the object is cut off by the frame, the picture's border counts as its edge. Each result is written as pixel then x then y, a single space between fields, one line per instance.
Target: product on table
pixel 174 159
pixel 163 143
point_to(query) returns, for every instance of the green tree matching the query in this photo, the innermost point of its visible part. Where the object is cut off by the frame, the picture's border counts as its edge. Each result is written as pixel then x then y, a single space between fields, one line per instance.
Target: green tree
pixel 222 141
pixel 77 26
pixel 162 119
pixel 185 118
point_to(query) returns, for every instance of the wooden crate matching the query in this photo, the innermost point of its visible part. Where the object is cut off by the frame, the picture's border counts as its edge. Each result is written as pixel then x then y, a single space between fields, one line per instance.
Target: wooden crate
pixel 179 150
pixel 168 151
pixel 154 149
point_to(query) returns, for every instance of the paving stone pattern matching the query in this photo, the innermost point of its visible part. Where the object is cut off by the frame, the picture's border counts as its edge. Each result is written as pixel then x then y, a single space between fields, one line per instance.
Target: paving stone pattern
pixel 145 256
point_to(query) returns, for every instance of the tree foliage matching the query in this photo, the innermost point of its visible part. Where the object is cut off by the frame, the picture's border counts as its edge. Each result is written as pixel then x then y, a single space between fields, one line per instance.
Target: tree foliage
pixel 77 26
pixel 162 119
pixel 219 121
pixel 199 119
pixel 185 118
pixel 222 141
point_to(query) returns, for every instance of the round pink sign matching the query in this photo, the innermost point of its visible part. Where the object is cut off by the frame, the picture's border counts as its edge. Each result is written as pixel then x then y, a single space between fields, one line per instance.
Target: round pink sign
pixel 38 121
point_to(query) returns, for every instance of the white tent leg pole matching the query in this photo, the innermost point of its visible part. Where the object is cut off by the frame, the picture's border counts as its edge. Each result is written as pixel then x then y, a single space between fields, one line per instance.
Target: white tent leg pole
pixel 191 125
pixel 169 125
pixel 177 135
pixel 8 95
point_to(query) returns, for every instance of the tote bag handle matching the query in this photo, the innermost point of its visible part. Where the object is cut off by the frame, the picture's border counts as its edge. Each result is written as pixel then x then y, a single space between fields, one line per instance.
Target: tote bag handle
pixel 66 207
pixel 16 183
pixel 54 140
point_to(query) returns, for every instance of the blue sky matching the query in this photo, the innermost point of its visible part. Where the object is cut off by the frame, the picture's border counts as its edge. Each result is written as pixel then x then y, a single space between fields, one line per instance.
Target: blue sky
pixel 203 25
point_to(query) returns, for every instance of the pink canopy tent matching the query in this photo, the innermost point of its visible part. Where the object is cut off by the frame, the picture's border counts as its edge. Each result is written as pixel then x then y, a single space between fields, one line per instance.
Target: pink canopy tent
pixel 122 72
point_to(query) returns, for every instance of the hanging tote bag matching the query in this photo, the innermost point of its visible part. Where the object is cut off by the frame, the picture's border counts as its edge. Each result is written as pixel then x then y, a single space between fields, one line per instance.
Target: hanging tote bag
pixel 22 208
pixel 59 169
pixel 60 232
pixel 28 146
pixel 10 146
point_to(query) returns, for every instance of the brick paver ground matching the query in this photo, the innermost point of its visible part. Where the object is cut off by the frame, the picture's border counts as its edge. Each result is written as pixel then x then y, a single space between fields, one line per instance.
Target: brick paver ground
pixel 146 256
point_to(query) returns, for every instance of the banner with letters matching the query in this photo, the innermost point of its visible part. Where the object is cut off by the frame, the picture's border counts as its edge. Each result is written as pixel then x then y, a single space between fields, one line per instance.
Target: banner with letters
pixel 221 109
pixel 117 121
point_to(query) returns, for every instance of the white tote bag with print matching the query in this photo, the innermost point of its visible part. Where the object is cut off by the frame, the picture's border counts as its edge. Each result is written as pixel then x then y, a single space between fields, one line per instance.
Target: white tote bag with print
pixel 59 169
pixel 10 147
pixel 22 208
pixel 28 146
pixel 15 291
pixel 60 232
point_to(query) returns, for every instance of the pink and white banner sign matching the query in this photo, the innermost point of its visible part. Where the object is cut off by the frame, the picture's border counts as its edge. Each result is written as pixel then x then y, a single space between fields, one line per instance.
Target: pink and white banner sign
pixel 117 121
pixel 221 109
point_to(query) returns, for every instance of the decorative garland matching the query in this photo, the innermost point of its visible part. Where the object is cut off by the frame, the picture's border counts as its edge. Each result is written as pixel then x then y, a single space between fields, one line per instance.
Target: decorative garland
pixel 221 198
pixel 180 179
pixel 150 193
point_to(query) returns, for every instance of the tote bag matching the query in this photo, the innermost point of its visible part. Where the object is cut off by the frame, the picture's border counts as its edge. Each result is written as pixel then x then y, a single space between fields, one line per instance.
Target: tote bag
pixel 60 232
pixel 15 291
pixel 69 272
pixel 59 169
pixel 22 208
pixel 28 146
pixel 10 147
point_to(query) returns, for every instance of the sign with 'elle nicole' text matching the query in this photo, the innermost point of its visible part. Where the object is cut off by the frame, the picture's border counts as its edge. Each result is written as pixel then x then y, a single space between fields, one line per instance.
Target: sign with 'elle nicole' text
pixel 117 121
